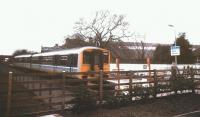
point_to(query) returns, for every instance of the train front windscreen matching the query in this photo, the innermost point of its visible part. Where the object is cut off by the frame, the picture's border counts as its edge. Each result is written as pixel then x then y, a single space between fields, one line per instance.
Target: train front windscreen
pixel 95 59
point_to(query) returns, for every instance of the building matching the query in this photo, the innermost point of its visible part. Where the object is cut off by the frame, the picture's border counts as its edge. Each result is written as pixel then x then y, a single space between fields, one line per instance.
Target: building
pixel 5 58
pixel 49 49
pixel 196 53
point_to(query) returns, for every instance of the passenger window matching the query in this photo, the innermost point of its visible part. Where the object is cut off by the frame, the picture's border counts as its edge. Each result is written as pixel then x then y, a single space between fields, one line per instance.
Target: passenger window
pixel 47 60
pixel 73 60
pixel 63 60
pixel 97 59
pixel 35 59
pixel 86 57
pixel 105 57
pixel 69 60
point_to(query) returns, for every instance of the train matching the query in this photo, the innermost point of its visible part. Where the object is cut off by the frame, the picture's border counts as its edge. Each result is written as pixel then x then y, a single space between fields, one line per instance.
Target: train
pixel 83 59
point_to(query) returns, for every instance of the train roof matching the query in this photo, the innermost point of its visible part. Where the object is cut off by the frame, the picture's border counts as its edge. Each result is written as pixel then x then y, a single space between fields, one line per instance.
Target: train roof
pixel 66 51
pixel 21 56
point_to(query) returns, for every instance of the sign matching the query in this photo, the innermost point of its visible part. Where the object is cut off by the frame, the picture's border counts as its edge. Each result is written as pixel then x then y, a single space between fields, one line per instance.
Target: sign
pixel 175 50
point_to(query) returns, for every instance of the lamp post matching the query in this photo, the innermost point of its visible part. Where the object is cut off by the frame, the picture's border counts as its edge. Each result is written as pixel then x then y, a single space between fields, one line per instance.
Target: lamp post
pixel 174 41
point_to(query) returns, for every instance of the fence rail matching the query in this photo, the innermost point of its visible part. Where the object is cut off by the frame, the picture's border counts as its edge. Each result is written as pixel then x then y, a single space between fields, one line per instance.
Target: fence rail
pixel 33 94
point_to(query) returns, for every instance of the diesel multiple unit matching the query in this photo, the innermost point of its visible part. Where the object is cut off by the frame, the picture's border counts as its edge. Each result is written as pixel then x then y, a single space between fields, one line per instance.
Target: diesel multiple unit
pixel 82 59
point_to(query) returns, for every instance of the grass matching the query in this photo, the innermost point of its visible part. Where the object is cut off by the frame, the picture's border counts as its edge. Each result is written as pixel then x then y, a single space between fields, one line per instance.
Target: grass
pixel 164 107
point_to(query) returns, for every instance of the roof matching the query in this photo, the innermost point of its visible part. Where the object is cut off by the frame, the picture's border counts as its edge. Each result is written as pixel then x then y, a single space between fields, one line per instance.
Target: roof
pixel 21 56
pixel 66 51
pixel 197 52
pixel 60 52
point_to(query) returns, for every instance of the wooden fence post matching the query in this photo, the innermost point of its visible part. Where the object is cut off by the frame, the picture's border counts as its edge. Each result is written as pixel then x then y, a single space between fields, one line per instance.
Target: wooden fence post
pixel 40 87
pixel 26 79
pixel 33 84
pixel 9 97
pixel 85 80
pixel 23 80
pixel 50 92
pixel 118 83
pixel 28 82
pixel 100 86
pixel 155 83
pixel 130 85
pixel 63 91
pixel 192 78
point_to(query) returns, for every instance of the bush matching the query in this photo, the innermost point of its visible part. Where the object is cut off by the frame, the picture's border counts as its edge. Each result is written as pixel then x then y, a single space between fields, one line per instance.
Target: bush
pixel 180 83
pixel 83 101
pixel 163 87
pixel 117 101
pixel 143 92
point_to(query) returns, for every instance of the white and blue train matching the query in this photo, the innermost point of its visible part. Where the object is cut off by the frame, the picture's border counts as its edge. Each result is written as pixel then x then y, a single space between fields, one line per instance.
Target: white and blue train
pixel 83 59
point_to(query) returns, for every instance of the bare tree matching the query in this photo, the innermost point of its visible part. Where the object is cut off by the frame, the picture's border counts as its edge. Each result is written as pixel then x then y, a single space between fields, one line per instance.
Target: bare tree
pixel 139 46
pixel 110 31
pixel 103 28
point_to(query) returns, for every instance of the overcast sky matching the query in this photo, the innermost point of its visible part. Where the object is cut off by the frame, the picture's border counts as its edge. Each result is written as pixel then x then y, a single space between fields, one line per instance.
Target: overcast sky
pixel 30 24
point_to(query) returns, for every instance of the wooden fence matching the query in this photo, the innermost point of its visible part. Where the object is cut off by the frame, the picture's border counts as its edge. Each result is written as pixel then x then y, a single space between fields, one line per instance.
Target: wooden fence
pixel 38 93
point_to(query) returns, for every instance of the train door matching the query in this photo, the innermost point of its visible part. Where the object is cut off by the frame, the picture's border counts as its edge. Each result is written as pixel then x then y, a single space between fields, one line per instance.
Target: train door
pixel 94 60
pixel 98 60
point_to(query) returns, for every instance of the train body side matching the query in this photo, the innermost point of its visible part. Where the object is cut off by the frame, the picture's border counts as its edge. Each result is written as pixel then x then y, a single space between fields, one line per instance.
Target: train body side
pixel 84 59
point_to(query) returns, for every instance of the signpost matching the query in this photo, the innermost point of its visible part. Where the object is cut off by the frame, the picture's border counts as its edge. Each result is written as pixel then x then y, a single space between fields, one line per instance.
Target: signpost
pixel 175 51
